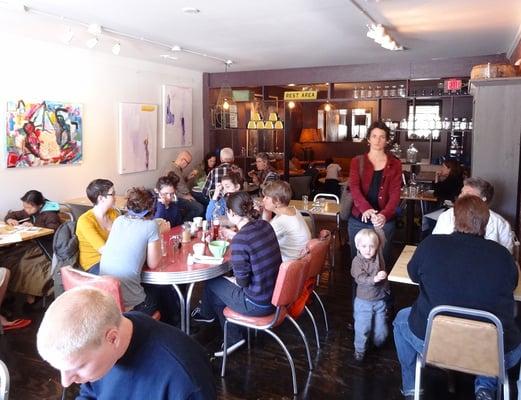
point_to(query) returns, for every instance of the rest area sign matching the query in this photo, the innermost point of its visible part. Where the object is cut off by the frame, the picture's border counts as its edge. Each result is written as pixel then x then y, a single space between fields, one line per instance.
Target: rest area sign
pixel 302 95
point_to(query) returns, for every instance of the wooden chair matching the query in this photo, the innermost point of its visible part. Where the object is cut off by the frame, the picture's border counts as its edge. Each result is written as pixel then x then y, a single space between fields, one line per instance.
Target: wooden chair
pixel 334 232
pixel 4 381
pixel 288 286
pixel 458 343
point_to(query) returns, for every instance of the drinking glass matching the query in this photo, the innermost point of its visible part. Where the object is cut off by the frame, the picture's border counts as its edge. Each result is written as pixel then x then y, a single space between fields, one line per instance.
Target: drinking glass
pixel 305 201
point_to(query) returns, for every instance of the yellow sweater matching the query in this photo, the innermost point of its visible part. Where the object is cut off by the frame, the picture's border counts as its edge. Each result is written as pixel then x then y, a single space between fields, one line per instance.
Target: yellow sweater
pixel 91 237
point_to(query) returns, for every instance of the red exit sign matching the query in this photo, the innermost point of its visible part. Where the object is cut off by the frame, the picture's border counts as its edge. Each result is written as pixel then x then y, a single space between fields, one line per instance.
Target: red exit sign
pixel 452 85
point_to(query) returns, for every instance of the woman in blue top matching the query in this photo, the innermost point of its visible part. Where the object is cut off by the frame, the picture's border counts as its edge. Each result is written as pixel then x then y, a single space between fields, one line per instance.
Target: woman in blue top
pixel 255 259
pixel 166 206
pixel 230 183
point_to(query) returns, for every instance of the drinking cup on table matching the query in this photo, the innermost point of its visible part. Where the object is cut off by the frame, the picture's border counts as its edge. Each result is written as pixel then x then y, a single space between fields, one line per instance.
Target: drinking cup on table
pixel 198 221
pixel 305 201
pixel 198 249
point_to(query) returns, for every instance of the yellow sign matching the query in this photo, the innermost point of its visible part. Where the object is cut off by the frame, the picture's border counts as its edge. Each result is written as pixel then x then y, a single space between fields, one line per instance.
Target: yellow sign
pixel 307 95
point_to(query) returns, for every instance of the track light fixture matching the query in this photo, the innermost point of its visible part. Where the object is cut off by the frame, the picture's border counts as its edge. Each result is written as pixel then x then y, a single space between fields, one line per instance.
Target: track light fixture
pixel 378 33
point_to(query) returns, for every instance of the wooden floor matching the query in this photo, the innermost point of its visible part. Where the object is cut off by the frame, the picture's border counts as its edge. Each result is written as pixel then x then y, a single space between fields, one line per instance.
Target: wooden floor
pixel 263 372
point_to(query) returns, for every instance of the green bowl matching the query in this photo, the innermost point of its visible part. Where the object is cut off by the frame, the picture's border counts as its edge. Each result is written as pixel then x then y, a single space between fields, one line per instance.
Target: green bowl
pixel 218 247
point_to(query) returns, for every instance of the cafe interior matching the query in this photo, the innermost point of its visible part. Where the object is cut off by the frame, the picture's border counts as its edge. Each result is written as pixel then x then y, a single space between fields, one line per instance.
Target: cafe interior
pixel 302 82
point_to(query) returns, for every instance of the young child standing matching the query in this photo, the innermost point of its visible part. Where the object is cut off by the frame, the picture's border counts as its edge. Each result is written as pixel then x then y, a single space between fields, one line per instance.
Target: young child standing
pixel 368 270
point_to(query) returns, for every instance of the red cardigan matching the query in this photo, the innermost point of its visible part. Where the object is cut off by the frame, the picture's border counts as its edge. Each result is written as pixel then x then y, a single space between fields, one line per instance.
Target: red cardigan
pixel 388 193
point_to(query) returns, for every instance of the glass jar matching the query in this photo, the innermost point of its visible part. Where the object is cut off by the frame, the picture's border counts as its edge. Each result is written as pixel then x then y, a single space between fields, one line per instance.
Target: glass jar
pixel 401 91
pixel 356 93
pixel 392 92
pixel 396 151
pixel 378 91
pixel 386 91
pixel 412 154
pixel 446 124
pixel 463 124
pixel 369 92
pixel 403 124
pixel 363 93
pixel 456 124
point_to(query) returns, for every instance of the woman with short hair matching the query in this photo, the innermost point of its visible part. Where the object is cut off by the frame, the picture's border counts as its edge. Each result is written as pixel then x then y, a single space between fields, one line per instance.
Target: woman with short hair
pixel 94 225
pixel 290 227
pixel 461 269
pixel 265 173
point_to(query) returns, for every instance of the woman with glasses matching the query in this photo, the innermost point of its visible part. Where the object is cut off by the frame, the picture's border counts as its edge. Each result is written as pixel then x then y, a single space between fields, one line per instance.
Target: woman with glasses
pixel 166 206
pixel 94 226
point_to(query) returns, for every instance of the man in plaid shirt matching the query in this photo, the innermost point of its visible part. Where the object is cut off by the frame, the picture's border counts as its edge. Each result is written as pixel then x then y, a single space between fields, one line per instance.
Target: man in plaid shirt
pixel 216 174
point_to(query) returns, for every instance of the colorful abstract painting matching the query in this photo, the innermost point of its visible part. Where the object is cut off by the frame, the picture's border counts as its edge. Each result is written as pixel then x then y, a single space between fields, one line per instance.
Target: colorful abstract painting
pixel 137 137
pixel 43 133
pixel 177 116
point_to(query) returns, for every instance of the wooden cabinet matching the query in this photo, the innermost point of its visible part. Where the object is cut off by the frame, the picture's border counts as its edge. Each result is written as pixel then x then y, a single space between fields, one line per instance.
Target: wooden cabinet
pixel 496 141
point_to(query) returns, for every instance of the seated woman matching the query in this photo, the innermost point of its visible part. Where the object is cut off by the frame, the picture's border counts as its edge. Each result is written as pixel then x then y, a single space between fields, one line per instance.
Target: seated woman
pixel 29 266
pixel 166 206
pixel 94 226
pixel 461 269
pixel 290 227
pixel 264 173
pixel 448 181
pixel 255 259
pixel 133 242
pixel 230 183
pixel 197 177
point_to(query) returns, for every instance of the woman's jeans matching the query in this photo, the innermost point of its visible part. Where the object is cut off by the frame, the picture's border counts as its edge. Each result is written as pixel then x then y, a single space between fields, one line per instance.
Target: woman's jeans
pixel 409 345
pixel 355 225
pixel 367 311
pixel 220 293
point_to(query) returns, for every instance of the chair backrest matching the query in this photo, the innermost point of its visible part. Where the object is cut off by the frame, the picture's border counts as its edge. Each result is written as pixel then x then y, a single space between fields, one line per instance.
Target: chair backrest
pixel 456 342
pixel 300 186
pixel 73 278
pixel 318 250
pixel 4 381
pixel 309 217
pixel 65 213
pixel 327 196
pixel 290 281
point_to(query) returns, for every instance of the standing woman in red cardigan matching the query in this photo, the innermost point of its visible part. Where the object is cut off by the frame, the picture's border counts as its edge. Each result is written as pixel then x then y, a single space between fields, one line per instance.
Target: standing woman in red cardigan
pixel 376 190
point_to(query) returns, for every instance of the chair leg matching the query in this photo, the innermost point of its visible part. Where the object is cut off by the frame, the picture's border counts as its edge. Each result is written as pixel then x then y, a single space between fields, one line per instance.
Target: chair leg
pixel 306 345
pixel 314 325
pixel 323 309
pixel 225 347
pixel 506 388
pixel 417 378
pixel 290 359
pixel 249 338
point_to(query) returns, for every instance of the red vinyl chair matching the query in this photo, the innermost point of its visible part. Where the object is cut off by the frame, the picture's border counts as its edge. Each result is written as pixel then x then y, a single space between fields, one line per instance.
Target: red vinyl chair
pixel 288 287
pixel 72 278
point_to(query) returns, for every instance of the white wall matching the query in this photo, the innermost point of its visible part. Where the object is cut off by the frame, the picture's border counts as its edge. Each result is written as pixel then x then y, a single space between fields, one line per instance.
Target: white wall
pixel 36 70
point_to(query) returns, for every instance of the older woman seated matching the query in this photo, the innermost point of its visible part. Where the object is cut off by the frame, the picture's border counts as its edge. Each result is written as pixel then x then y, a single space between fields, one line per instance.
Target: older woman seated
pixel 483 276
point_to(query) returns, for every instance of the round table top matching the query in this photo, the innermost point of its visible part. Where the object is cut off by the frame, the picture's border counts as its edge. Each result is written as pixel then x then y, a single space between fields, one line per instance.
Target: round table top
pixel 173 268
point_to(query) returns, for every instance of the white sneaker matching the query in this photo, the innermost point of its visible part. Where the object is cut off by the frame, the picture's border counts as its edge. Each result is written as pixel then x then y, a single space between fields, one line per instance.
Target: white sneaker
pixel 230 349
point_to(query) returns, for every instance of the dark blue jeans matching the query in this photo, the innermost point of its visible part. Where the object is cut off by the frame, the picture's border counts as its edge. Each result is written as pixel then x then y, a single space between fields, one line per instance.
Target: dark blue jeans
pixel 220 293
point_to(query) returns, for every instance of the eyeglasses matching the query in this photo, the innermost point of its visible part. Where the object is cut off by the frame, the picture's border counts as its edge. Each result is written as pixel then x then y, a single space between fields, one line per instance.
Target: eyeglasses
pixel 169 194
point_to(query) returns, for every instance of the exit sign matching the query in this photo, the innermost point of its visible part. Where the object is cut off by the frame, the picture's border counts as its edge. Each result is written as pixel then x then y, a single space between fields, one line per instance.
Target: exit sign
pixel 452 85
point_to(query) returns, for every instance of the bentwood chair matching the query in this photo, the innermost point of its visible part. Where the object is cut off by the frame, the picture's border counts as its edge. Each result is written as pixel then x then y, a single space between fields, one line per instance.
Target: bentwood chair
pixel 288 286
pixel 4 381
pixel 459 343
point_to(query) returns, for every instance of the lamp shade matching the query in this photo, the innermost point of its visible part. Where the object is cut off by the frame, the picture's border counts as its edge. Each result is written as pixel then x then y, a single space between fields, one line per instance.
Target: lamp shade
pixel 309 135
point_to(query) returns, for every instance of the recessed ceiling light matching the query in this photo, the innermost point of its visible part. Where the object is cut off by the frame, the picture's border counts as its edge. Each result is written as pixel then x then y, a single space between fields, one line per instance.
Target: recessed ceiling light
pixel 191 10
pixel 168 57
pixel 176 48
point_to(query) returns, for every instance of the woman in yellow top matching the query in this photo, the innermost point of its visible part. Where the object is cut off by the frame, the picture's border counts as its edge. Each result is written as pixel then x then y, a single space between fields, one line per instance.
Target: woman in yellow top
pixel 94 226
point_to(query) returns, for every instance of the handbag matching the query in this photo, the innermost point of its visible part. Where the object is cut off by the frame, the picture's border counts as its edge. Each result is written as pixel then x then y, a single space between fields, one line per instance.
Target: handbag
pixel 346 200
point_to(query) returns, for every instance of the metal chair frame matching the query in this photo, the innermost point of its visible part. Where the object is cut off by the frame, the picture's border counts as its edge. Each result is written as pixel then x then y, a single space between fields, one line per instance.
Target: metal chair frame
pixel 5 381
pixel 337 231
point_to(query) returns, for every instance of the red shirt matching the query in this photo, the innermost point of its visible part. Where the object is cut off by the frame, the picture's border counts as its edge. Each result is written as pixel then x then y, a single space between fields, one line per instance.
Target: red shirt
pixel 388 192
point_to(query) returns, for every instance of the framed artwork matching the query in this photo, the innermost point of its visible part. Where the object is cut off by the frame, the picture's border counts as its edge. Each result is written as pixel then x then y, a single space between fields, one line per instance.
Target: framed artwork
pixel 43 133
pixel 137 137
pixel 177 116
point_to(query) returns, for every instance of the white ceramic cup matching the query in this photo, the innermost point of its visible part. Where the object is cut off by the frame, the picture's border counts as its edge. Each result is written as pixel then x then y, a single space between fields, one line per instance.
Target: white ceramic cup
pixel 198 221
pixel 198 249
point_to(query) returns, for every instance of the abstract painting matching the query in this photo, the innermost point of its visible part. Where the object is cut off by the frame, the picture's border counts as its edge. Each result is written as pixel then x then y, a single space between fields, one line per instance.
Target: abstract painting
pixel 177 116
pixel 43 133
pixel 137 137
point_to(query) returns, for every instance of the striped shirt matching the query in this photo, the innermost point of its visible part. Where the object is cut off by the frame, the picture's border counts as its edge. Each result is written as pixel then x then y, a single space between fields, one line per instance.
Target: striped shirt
pixel 256 260
pixel 216 175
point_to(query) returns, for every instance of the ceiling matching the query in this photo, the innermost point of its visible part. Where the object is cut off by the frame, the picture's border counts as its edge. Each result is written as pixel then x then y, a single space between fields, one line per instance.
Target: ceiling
pixel 273 34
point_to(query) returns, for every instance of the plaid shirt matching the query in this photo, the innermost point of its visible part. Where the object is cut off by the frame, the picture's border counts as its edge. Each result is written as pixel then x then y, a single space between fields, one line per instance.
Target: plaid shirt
pixel 216 175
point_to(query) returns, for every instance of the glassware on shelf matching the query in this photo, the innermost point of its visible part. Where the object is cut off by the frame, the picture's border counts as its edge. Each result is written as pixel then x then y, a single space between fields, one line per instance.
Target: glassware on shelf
pixel 401 91
pixel 356 93
pixel 396 151
pixel 445 124
pixel 369 92
pixel 412 154
pixel 386 91
pixel 403 124
pixel 363 92
pixel 437 123
pixel 463 124
pixel 456 124
pixel 378 91
pixel 392 92
pixel 470 124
